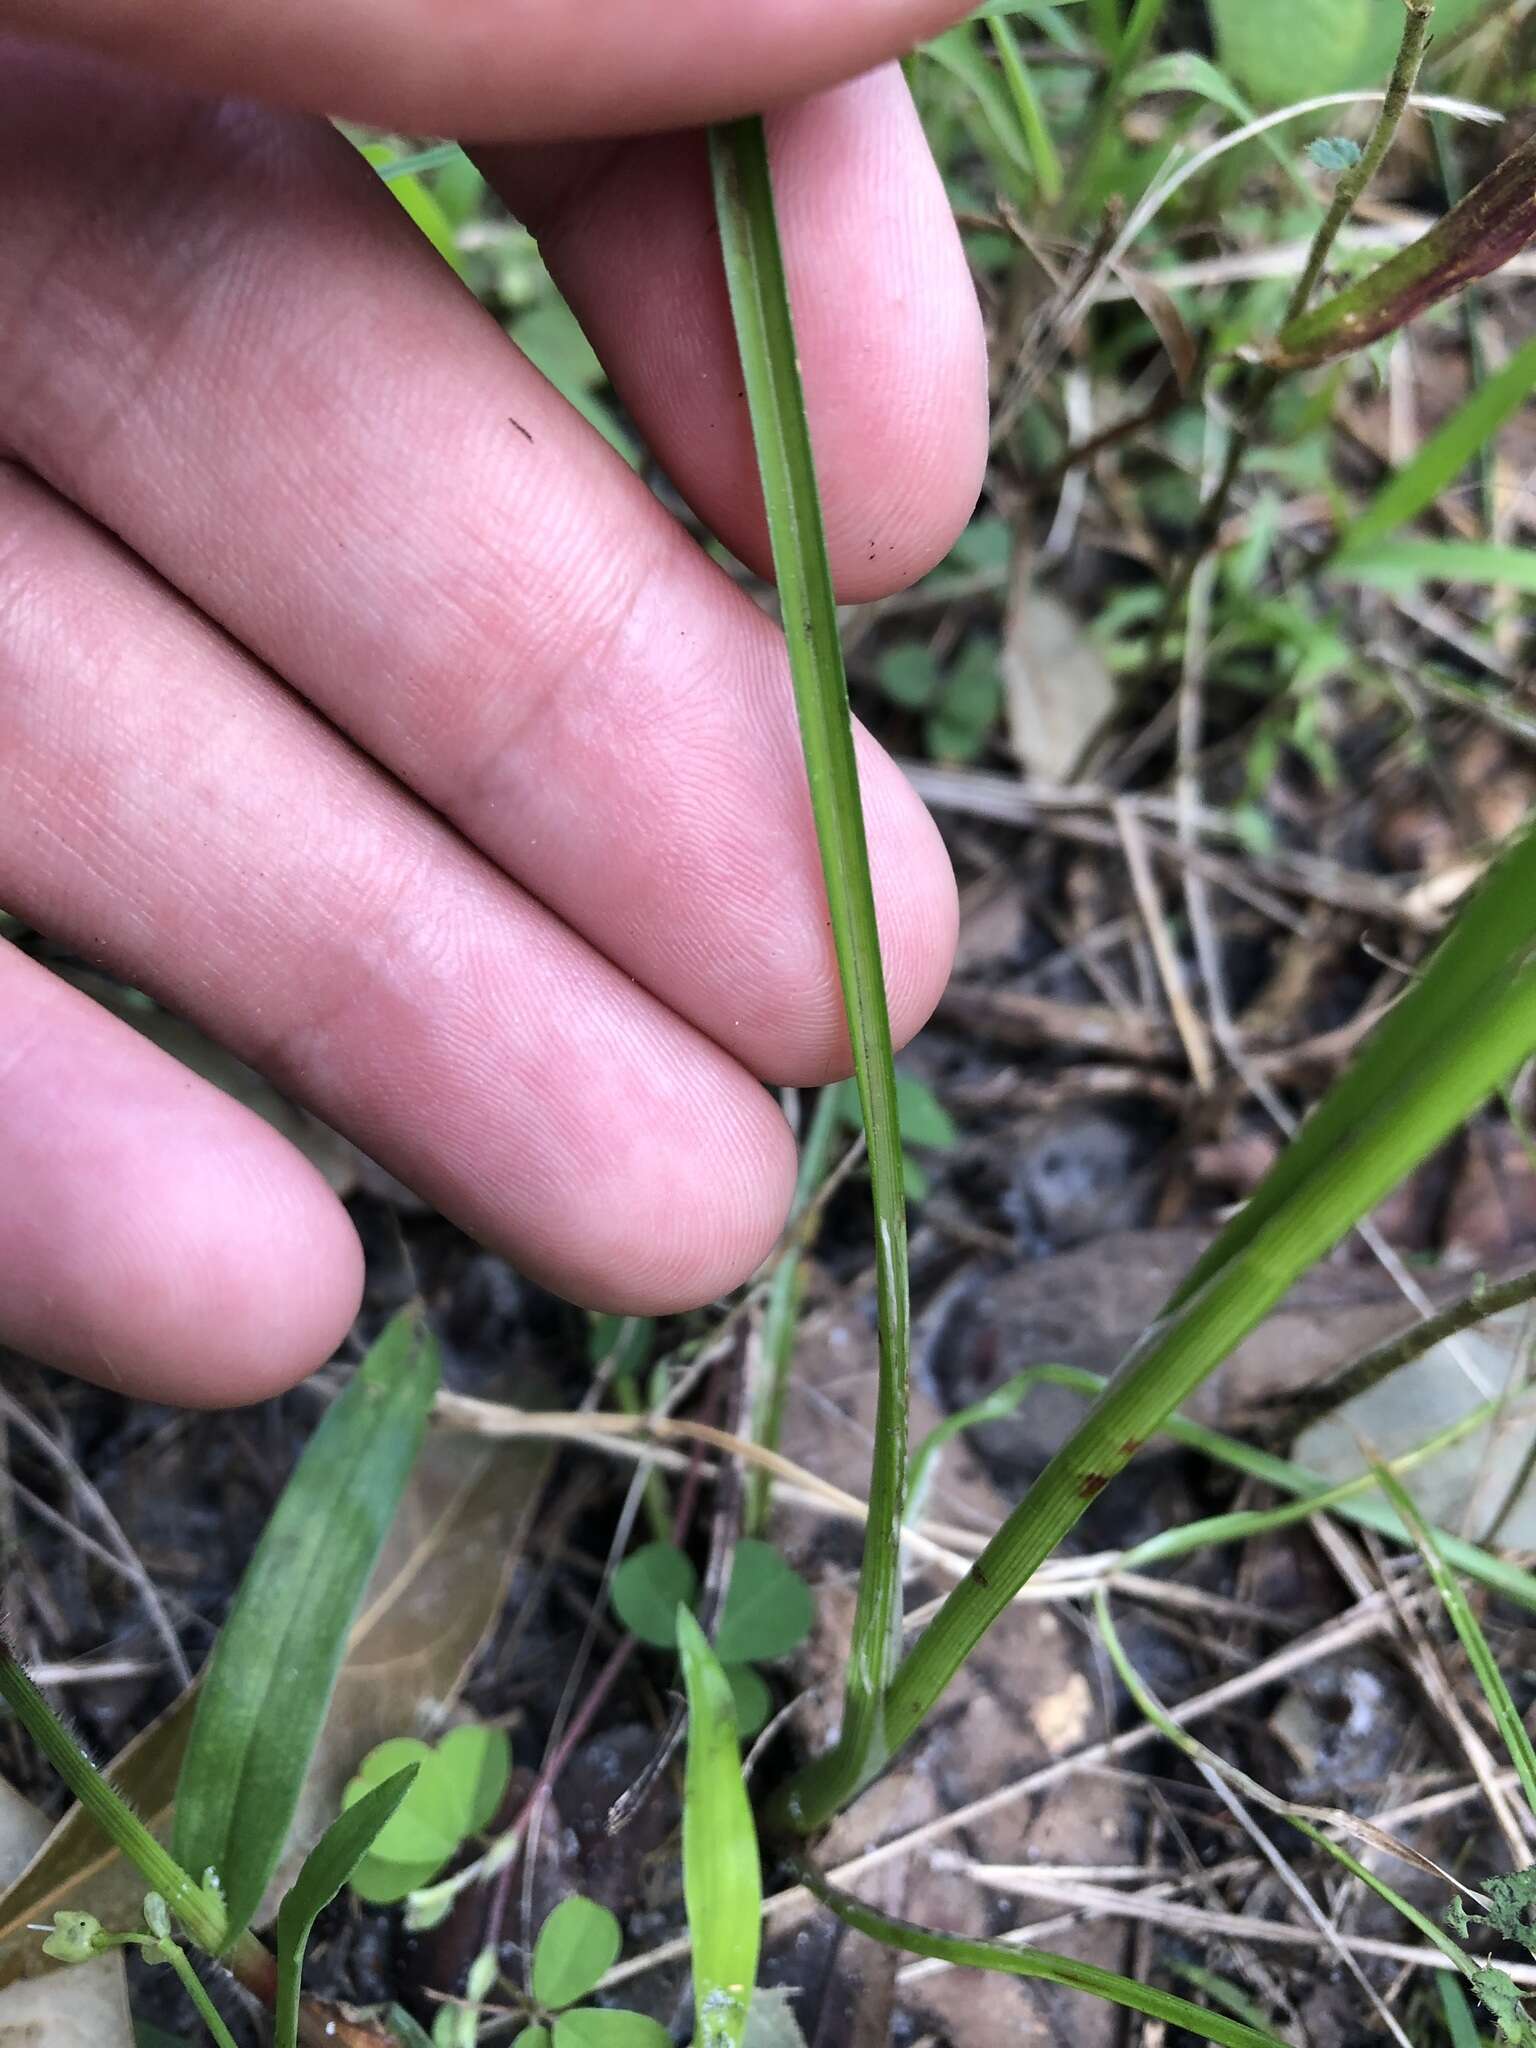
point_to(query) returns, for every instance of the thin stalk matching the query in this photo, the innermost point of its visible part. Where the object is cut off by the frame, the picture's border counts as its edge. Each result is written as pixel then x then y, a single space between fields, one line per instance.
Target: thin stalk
pixel 759 293
pixel 1153 1711
pixel 1354 182
pixel 1296 1412
pixel 198 1911
pixel 175 1955
pixel 781 1315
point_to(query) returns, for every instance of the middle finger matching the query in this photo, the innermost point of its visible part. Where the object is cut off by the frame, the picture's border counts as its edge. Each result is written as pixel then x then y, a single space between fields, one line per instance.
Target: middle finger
pixel 223 327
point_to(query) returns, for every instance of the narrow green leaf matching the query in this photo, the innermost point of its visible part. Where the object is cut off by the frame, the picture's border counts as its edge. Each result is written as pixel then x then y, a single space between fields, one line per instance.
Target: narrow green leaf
pixel 578 1944
pixel 1461 1030
pixel 1457 2014
pixel 1405 564
pixel 722 1872
pixel 147 2036
pixel 768 1607
pixel 592 2026
pixel 957 52
pixel 1040 1965
pixel 1506 1715
pixel 648 1588
pixel 268 1684
pixel 1039 147
pixel 326 1869
pixel 759 293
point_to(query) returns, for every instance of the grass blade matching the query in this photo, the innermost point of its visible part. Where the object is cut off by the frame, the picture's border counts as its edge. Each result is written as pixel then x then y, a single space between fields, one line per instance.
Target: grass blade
pixel 1399 564
pixel 765 332
pixel 1414 488
pixel 1041 1965
pixel 722 1872
pixel 326 1869
pixel 1505 1713
pixel 1463 1028
pixel 269 1681
pixel 1033 128
pixel 1350 1499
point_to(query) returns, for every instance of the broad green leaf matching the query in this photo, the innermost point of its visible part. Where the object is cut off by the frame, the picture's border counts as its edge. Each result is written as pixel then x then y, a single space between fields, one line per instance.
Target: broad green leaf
pixel 908 674
pixel 458 1787
pixel 267 1686
pixel 1042 1966
pixel 1415 487
pixel 379 1882
pixel 1297 50
pixel 1334 152
pixel 578 1944
pixel 765 336
pixel 925 1121
pixel 722 1872
pixel 768 1607
pixel 326 1869
pixel 533 2037
pixel 753 1700
pixel 648 1588
pixel 592 2026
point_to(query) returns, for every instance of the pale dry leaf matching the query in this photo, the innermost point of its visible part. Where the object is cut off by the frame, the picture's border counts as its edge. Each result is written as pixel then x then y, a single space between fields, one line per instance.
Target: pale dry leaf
pixel 1058 691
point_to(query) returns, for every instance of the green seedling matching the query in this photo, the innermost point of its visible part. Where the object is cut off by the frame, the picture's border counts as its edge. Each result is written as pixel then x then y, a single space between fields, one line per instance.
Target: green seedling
pixel 926 1126
pixel 262 1703
pixel 457 1788
pixel 960 703
pixel 577 1945
pixel 768 1613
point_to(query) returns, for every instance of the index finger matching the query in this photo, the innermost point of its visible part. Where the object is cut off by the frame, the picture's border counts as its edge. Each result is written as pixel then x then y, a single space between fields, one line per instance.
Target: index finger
pixel 533 70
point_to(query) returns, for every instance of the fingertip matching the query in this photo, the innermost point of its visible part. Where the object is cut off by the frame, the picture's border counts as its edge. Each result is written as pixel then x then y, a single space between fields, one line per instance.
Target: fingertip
pixel 683 1212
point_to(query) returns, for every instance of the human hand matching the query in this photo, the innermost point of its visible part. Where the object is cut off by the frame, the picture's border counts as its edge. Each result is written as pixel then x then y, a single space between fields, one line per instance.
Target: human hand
pixel 360 704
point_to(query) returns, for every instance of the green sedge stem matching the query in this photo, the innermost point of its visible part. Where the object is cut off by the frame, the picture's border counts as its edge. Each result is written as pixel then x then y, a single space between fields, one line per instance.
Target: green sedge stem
pixel 759 293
